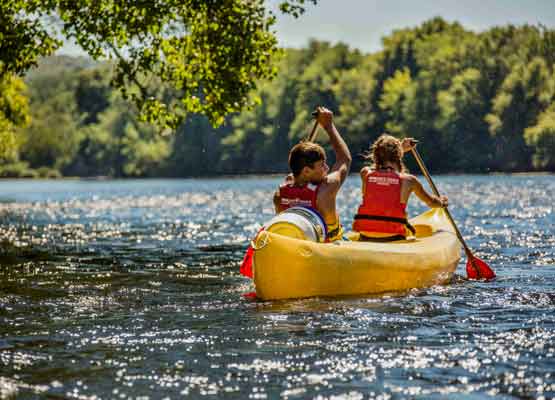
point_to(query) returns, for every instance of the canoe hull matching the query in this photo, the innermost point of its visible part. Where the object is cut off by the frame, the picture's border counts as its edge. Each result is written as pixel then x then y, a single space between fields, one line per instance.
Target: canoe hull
pixel 291 268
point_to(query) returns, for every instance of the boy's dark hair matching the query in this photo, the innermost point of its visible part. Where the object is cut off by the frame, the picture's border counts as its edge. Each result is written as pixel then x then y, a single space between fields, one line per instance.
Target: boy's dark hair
pixel 305 154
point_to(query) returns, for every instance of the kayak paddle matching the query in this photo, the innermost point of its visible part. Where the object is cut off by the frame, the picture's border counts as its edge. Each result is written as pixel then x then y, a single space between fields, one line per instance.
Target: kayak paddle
pixel 475 268
pixel 314 131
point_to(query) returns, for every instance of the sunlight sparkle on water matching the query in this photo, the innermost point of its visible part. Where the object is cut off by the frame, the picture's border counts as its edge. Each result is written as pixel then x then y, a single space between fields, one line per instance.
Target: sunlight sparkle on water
pixel 114 291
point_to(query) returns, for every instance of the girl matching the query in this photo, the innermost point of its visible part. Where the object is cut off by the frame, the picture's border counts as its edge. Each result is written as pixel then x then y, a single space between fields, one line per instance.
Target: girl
pixel 386 188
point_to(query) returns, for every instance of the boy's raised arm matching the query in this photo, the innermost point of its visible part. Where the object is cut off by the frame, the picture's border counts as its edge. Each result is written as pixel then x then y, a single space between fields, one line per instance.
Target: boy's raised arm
pixel 343 158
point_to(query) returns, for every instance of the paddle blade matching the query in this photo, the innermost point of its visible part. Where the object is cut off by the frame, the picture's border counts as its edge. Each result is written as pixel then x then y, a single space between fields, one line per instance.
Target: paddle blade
pixel 478 269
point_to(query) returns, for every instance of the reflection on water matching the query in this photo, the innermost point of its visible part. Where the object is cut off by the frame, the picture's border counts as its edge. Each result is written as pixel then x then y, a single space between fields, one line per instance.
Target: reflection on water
pixel 130 289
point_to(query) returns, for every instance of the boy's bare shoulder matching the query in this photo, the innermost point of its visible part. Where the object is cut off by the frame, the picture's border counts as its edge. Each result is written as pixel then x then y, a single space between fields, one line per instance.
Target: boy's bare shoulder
pixel 332 182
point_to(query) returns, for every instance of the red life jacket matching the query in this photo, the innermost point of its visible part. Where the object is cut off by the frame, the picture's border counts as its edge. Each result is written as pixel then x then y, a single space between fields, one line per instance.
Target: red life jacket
pixel 293 196
pixel 305 196
pixel 290 196
pixel 381 209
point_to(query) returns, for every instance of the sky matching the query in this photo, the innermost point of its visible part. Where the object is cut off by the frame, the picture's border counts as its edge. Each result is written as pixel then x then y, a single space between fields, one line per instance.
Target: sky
pixel 362 23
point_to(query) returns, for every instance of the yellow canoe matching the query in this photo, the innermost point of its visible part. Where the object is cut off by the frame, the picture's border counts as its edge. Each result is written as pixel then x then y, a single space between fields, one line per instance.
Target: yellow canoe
pixel 287 268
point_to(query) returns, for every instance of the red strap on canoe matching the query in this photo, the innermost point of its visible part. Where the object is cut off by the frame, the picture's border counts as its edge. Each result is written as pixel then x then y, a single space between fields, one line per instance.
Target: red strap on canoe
pixel 250 296
pixel 246 265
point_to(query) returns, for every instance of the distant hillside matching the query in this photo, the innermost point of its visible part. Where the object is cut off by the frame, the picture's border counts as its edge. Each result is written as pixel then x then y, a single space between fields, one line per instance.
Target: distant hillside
pixel 55 65
pixel 477 102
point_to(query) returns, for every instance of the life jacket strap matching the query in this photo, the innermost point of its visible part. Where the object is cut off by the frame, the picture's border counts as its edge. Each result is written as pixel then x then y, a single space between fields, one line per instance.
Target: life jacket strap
pixel 403 221
pixel 332 235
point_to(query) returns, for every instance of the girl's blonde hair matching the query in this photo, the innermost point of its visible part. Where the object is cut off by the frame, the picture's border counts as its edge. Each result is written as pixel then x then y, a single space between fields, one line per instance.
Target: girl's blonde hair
pixel 386 149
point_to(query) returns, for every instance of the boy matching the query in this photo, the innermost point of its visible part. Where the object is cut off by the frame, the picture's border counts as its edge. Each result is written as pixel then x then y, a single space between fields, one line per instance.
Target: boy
pixel 312 183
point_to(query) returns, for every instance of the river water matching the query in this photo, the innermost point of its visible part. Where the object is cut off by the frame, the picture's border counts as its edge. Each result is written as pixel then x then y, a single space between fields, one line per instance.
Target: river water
pixel 131 289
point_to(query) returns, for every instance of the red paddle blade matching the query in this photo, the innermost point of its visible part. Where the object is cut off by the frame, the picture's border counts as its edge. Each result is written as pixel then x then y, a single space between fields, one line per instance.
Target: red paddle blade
pixel 478 269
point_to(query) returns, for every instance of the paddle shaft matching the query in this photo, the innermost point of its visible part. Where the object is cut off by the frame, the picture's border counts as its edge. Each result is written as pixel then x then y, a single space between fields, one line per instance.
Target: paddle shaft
pixel 436 192
pixel 313 132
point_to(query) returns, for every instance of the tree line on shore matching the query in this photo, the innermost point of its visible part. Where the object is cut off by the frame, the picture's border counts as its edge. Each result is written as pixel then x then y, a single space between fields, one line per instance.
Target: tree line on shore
pixel 477 102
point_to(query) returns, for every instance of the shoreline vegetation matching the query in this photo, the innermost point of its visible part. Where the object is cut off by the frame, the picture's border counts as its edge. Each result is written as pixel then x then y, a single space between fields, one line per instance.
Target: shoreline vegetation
pixel 59 177
pixel 477 102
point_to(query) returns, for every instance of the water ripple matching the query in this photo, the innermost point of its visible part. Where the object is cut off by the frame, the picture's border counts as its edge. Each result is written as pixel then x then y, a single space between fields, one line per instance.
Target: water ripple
pixel 130 289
